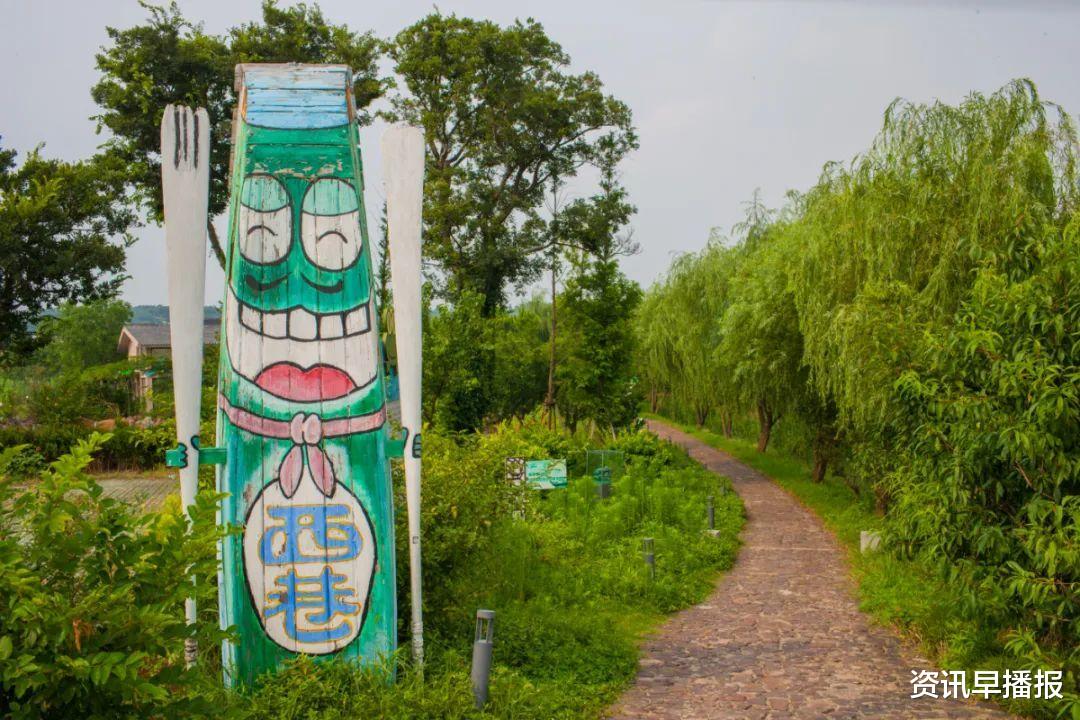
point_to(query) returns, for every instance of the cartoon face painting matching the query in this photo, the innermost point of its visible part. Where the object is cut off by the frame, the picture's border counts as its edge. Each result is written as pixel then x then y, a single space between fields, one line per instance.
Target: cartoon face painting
pixel 301 397
pixel 298 289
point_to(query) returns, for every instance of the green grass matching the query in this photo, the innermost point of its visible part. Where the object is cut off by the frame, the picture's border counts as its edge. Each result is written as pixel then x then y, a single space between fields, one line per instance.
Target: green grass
pixel 910 595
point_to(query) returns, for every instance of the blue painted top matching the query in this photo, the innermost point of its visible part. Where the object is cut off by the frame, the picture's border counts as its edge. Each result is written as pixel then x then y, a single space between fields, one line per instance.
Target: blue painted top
pixel 296 96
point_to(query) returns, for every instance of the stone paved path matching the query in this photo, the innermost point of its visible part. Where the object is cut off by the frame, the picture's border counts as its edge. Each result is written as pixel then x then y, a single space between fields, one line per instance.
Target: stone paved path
pixel 148 492
pixel 782 635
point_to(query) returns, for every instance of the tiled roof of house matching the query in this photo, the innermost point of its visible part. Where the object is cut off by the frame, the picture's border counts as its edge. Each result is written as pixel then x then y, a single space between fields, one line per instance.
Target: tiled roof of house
pixel 156 335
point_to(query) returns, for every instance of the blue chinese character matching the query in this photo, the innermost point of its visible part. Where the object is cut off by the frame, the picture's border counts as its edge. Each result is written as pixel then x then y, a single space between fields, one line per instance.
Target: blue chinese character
pixel 319 594
pixel 334 539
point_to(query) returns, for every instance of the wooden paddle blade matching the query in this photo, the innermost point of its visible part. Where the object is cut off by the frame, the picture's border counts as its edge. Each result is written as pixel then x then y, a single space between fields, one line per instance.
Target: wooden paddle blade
pixel 185 177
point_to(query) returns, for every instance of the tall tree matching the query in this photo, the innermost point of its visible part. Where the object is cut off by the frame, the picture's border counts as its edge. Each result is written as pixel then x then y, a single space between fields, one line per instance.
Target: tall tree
pixel 62 238
pixel 503 119
pixel 80 336
pixel 760 345
pixel 596 380
pixel 585 225
pixel 171 60
pixel 459 365
pixel 680 331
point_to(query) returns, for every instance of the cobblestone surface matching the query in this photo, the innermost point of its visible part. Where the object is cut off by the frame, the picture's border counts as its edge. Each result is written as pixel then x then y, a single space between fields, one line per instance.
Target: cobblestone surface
pixel 782 635
pixel 147 492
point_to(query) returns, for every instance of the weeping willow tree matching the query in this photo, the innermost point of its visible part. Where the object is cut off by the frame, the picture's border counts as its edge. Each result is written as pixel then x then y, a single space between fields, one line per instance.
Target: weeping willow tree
pixel 890 244
pixel 761 348
pixel 679 330
pixel 936 288
pixel 651 358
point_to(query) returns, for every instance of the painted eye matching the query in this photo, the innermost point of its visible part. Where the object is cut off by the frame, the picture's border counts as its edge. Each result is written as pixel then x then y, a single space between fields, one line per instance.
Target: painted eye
pixel 330 224
pixel 264 223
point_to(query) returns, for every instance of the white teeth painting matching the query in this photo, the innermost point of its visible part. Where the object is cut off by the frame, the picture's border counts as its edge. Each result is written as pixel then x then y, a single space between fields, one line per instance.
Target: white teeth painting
pixel 299 355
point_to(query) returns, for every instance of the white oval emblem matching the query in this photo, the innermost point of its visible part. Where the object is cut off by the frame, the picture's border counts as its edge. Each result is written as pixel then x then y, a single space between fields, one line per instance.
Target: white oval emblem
pixel 308 561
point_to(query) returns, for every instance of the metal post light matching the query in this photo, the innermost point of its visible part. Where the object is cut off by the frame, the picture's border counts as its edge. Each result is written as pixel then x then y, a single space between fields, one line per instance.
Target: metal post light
pixel 481 655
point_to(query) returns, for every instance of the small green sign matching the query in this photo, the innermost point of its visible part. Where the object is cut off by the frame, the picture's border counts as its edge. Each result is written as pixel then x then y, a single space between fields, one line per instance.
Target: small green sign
pixel 545 474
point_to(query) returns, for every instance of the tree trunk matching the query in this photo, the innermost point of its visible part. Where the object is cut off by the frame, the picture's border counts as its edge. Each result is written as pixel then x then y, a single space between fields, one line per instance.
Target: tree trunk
pixel 765 424
pixel 654 399
pixel 549 399
pixel 881 501
pixel 823 445
pixel 701 414
pixel 215 243
pixel 727 423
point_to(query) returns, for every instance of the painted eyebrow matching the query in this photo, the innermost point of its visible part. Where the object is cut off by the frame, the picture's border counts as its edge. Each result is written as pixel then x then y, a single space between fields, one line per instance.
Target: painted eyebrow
pixel 265 212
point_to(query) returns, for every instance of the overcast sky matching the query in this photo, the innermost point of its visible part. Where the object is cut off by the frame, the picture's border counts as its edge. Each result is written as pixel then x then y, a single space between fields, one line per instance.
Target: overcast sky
pixel 727 96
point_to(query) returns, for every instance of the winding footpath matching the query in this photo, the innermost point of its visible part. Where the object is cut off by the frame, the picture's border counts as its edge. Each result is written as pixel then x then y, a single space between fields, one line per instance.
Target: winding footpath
pixel 781 636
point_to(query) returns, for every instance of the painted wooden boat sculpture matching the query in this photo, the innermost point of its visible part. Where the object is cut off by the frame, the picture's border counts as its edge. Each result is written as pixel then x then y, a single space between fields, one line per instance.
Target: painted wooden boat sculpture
pixel 303 443
pixel 302 415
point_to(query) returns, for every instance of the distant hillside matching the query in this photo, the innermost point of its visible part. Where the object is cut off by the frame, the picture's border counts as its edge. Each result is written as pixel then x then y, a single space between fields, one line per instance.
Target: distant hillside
pixel 159 314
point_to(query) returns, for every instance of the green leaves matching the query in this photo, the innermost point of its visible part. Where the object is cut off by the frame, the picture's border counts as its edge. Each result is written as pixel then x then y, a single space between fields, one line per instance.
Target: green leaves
pixel 926 299
pixel 91 599
pixel 63 232
pixel 172 60
pixel 505 123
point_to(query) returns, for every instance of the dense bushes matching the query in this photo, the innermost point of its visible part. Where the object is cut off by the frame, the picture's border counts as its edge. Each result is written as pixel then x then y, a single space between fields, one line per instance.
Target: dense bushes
pixel 92 622
pixel 992 482
pixel 913 317
pixel 487 540
pixel 91 599
pixel 128 447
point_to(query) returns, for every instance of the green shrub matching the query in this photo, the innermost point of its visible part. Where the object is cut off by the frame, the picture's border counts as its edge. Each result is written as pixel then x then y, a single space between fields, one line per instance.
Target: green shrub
pixel 128 447
pixel 21 462
pixel 48 441
pixel 339 690
pixel 91 599
pixel 546 641
pixel 135 448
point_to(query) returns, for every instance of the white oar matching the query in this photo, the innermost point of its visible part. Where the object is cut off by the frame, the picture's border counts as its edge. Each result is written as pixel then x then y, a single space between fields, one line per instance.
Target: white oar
pixel 403 173
pixel 185 177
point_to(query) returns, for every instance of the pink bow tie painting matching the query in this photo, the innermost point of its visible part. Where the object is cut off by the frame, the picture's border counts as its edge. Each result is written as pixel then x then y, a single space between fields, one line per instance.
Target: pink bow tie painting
pixel 306 432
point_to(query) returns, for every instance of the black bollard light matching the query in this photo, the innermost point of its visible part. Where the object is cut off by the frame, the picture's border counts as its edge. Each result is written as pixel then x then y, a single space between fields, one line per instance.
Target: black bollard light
pixel 650 556
pixel 481 655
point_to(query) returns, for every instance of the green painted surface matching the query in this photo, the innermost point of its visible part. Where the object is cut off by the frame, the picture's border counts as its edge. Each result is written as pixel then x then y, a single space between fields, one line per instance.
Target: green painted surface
pixel 302 418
